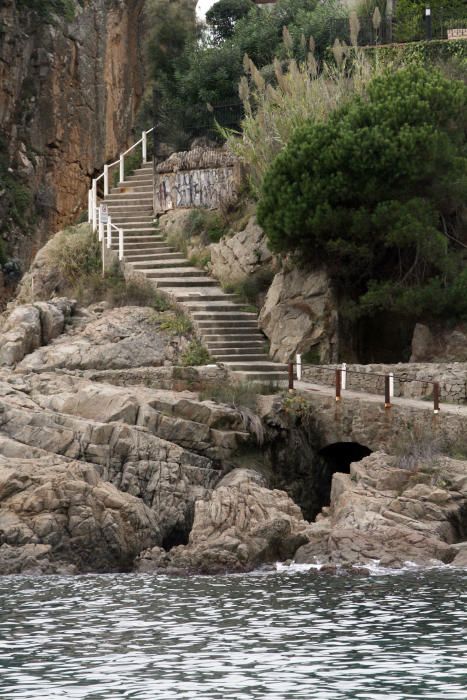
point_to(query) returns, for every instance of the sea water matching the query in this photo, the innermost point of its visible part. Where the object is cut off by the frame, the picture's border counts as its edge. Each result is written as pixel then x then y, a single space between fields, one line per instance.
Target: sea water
pixel 288 634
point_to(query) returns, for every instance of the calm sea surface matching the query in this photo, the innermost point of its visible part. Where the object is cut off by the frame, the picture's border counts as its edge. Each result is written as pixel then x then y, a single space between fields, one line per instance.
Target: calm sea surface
pixel 279 636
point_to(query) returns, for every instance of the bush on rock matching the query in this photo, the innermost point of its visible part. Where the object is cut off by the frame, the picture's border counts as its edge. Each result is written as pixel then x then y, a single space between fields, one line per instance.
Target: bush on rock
pixel 377 194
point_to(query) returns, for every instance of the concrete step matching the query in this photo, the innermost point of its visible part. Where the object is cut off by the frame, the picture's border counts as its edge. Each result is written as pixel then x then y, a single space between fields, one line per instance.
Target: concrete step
pixel 201 302
pixel 216 324
pixel 221 316
pixel 131 248
pixel 147 263
pixel 257 367
pixel 137 216
pixel 164 258
pixel 278 378
pixel 239 357
pixel 174 282
pixel 171 272
pixel 122 208
pixel 133 229
pixel 130 197
pixel 239 342
pixel 140 178
pixel 239 328
pixel 127 188
pixel 136 237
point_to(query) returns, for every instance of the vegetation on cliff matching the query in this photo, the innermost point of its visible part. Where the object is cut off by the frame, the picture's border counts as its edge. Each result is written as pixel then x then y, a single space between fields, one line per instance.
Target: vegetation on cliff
pixel 377 192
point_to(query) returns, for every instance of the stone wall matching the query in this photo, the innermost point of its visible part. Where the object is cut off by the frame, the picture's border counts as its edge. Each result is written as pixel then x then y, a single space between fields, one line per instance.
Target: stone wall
pixel 410 380
pixel 197 178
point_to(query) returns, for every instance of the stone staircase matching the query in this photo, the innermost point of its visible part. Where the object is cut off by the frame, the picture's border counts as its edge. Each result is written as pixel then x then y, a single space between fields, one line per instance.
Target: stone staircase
pixel 229 332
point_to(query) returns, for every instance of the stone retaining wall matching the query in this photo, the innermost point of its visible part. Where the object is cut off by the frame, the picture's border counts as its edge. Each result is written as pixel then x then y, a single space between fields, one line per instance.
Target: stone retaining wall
pixel 197 178
pixel 410 380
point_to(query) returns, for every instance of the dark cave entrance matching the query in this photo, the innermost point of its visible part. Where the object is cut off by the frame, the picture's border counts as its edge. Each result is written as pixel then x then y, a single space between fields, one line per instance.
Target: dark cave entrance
pixel 336 458
pixel 179 533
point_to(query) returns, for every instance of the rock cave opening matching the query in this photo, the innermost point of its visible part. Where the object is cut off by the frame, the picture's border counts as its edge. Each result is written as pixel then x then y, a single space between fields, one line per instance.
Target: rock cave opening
pixel 336 458
pixel 175 536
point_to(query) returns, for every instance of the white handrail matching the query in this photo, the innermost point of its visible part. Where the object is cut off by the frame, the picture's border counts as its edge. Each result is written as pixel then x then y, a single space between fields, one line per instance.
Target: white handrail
pixel 93 218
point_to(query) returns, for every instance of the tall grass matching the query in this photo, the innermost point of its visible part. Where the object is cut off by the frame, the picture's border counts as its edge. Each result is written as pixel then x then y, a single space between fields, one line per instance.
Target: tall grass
pixel 300 92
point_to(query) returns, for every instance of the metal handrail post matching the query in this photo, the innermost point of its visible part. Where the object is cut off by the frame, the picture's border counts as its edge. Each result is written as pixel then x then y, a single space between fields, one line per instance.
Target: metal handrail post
pixel 122 167
pixel 144 147
pixel 94 204
pixel 101 225
pixel 387 391
pixel 338 384
pixel 436 393
pixel 90 206
pixel 120 244
pixel 109 232
pixel 106 180
pixel 290 376
pixel 344 376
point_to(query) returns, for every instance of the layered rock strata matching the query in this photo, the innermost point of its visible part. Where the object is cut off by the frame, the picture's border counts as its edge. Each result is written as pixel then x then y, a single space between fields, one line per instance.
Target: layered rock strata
pixel 393 515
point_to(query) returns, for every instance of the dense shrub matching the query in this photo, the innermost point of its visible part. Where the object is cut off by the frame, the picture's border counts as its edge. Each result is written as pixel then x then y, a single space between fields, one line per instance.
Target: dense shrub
pixel 377 194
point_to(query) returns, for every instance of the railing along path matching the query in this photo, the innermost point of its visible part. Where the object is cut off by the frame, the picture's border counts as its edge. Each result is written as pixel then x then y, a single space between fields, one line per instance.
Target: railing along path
pixel 96 217
pixel 295 371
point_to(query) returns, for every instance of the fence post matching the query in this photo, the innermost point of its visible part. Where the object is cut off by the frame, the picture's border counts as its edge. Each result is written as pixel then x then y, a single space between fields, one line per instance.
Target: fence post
pixel 109 232
pixel 299 367
pixel 122 167
pixel 290 376
pixel 101 226
pixel 106 180
pixel 94 205
pixel 428 24
pixel 144 147
pixel 387 392
pixel 338 384
pixel 90 206
pixel 344 376
pixel 435 397
pixel 391 384
pixel 120 244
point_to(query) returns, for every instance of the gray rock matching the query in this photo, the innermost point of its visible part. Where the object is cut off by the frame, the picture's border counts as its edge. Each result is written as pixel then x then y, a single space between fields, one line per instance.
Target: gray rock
pixel 380 513
pixel 439 344
pixel 300 314
pixel 241 525
pixel 236 257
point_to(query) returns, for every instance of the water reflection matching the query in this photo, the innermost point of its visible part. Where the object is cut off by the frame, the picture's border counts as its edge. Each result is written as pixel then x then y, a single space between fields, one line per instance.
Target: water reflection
pixel 280 636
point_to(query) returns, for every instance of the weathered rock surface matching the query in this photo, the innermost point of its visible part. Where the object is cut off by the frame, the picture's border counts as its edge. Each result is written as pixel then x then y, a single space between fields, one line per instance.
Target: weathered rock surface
pixel 30 326
pixel 439 344
pixel 381 512
pixel 70 86
pixel 241 525
pixel 241 255
pixel 108 339
pixel 57 514
pixel 300 314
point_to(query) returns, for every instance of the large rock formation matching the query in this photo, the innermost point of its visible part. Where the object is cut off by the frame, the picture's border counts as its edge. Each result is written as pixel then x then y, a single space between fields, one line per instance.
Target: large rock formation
pixel 392 513
pixel 70 84
pixel 300 315
pixel 238 256
pixel 58 516
pixel 241 525
pixel 439 344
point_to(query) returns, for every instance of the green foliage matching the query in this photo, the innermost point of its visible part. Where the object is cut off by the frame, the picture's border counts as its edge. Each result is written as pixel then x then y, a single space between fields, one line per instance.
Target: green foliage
pixel 421 52
pixel 48 10
pixel 223 15
pixel 251 288
pixel 176 323
pixel 301 93
pixel 195 355
pixel 378 193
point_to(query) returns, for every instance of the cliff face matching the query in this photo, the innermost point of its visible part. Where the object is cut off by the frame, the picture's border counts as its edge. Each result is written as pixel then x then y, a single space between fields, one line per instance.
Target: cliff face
pixel 69 90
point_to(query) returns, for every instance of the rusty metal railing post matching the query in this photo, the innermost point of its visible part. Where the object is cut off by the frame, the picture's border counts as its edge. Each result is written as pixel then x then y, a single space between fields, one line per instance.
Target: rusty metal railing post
pixel 290 376
pixel 435 397
pixel 387 391
pixel 338 384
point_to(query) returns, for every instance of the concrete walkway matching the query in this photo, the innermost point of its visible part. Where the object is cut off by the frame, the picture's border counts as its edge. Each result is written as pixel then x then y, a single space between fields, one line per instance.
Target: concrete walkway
pixel 349 395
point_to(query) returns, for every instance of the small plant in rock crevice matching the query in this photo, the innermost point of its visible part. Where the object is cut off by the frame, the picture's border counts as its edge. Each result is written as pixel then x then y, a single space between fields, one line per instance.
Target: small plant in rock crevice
pixel 195 354
pixel 175 323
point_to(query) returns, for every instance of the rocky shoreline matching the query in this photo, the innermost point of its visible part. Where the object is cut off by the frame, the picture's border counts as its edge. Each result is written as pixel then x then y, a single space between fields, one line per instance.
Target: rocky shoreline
pixel 110 462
